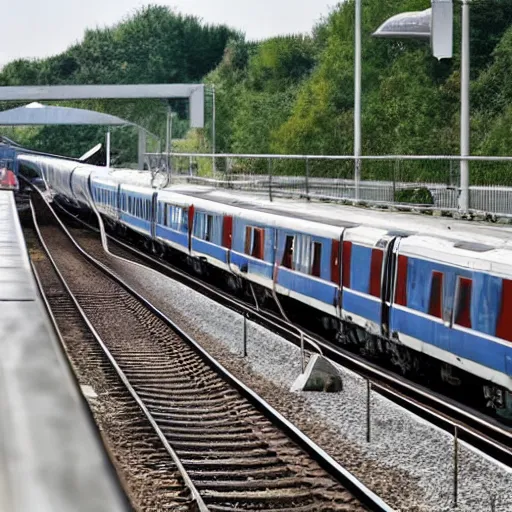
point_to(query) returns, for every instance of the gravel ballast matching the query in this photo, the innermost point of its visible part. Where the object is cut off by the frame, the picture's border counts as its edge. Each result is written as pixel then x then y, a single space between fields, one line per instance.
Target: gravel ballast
pixel 408 462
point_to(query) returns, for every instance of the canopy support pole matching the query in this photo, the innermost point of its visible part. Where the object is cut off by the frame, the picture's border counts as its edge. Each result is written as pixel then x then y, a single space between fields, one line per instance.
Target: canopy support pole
pixel 142 148
pixel 107 162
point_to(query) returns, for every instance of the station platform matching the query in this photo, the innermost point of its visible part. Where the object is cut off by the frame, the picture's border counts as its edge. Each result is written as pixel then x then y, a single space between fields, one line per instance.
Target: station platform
pixel 51 456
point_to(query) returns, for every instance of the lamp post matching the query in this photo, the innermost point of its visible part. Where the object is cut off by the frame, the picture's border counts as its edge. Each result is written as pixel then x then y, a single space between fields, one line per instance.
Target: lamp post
pixel 107 149
pixel 213 126
pixel 357 100
pixel 464 109
pixel 168 137
pixel 440 32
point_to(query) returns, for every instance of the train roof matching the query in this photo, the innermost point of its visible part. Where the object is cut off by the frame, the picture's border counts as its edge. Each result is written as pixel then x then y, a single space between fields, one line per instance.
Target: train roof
pixel 395 223
pixel 477 257
pixel 255 216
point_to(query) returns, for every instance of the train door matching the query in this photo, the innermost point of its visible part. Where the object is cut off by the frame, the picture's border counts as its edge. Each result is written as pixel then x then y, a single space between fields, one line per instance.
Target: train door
pixel 388 281
pixel 153 214
pixel 336 269
pixel 227 235
pixel 190 218
pixel 118 202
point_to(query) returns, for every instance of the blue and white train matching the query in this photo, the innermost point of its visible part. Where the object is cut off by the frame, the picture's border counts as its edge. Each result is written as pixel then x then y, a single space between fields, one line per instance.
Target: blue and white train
pixel 421 292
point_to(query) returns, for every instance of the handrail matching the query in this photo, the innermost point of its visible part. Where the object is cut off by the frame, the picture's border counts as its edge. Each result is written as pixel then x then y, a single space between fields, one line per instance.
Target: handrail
pixel 476 158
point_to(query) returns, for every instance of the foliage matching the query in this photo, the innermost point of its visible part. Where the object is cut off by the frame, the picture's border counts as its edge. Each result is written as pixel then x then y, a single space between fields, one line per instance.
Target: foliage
pixel 419 196
pixel 411 102
pixel 155 45
pixel 295 93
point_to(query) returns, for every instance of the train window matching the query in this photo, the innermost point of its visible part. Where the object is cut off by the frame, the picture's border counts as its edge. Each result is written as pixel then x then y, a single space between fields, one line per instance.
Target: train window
pixel 288 252
pixel 163 218
pixel 248 240
pixel 435 307
pixel 258 243
pixel 504 325
pixel 227 231
pixel 201 225
pixel 335 262
pixel 302 254
pixel 317 258
pixel 208 235
pixel 184 221
pixel 345 269
pixel 376 272
pixel 176 219
pixel 401 281
pixel 463 302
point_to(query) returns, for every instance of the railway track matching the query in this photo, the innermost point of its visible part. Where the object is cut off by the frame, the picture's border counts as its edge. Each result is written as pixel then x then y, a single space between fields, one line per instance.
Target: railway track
pixel 473 427
pixel 150 478
pixel 227 448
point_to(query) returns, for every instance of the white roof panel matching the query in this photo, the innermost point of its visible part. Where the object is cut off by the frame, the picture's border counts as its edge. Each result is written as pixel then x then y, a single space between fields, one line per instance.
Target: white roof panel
pixel 38 114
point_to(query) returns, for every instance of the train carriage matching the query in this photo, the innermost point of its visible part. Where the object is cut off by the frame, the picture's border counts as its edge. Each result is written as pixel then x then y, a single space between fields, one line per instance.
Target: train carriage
pixel 136 208
pixel 106 194
pixel 452 301
pixel 365 257
pixel 384 281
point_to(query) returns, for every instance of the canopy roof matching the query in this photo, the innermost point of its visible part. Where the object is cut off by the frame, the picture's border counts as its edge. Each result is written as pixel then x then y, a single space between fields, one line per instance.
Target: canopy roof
pixel 414 25
pixel 38 114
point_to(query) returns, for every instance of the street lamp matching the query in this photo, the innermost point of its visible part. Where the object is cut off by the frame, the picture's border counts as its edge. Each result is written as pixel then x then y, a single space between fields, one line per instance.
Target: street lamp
pixel 464 109
pixel 357 101
pixel 436 24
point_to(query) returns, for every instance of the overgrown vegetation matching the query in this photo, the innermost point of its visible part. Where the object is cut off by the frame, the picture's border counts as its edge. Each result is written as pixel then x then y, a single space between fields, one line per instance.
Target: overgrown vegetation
pixel 294 94
pixel 155 45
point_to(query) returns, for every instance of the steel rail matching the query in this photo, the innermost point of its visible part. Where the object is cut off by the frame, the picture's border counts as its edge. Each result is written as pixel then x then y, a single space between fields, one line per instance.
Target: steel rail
pixel 344 477
pixel 380 379
pixel 65 356
pixel 411 397
pixel 201 506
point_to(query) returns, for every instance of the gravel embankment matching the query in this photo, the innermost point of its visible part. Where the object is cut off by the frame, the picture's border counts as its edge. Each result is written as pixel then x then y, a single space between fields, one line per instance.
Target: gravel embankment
pixel 409 463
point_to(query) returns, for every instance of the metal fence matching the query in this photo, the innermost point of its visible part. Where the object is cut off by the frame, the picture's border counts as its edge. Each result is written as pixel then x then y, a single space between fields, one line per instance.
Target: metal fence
pixel 408 182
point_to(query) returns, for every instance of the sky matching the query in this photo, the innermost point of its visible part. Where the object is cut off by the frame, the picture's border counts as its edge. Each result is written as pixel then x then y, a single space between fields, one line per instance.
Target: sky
pixel 37 28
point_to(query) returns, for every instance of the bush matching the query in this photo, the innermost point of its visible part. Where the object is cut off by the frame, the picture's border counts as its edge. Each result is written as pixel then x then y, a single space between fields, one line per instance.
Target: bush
pixel 419 196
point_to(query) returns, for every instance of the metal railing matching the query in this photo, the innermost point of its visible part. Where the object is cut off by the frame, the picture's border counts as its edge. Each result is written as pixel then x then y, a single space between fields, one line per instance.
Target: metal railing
pixel 405 181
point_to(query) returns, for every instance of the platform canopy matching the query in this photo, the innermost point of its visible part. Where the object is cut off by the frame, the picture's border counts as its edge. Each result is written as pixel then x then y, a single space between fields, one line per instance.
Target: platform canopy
pixel 38 114
pixel 414 25
pixel 193 92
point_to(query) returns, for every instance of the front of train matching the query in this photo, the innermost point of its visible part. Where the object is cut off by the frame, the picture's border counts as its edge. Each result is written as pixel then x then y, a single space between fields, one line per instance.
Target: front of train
pixel 8 168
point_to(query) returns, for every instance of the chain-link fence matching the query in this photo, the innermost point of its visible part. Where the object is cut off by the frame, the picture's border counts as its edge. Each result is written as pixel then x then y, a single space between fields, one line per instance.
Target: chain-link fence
pixel 420 182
